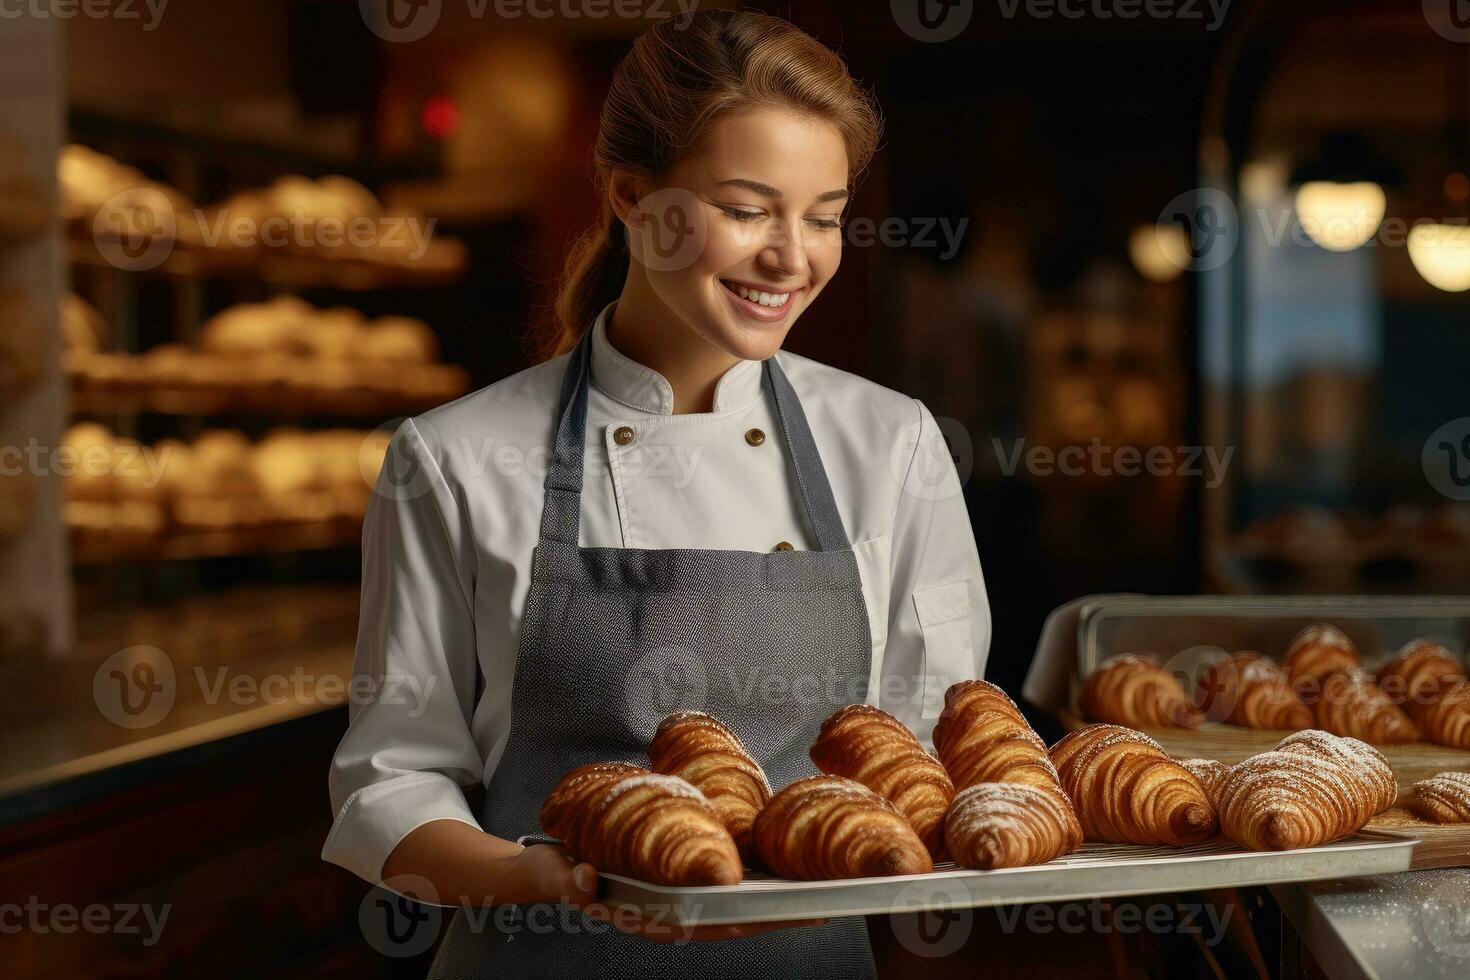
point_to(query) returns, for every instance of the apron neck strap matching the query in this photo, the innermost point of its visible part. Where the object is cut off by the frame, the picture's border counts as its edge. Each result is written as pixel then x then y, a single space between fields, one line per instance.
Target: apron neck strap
pixel 562 512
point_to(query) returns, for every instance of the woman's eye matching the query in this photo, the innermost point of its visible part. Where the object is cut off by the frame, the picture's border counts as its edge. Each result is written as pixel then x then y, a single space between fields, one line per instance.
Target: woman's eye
pixel 741 214
pixel 826 223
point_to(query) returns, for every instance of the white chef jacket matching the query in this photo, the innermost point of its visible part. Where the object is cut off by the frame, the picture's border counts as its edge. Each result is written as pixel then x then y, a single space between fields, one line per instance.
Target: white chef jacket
pixel 449 535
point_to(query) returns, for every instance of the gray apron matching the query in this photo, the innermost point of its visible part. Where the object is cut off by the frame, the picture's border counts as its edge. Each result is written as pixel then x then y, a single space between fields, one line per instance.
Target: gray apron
pixel 614 639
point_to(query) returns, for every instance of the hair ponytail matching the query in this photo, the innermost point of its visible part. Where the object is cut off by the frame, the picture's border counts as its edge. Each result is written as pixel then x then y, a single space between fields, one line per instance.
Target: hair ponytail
pixel 680 76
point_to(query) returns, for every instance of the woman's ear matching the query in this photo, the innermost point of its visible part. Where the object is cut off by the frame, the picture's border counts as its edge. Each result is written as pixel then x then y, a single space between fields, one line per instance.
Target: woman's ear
pixel 624 190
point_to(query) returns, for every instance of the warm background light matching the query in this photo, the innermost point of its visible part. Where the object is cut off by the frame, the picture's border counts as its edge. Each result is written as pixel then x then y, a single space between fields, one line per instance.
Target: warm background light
pixel 1159 252
pixel 1441 254
pixel 1340 217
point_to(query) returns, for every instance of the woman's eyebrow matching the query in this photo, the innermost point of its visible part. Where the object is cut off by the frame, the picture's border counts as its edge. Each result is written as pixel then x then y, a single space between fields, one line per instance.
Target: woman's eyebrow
pixel 769 191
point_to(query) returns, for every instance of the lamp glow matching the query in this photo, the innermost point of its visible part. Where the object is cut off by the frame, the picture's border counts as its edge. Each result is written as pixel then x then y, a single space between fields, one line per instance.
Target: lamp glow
pixel 1159 252
pixel 1441 254
pixel 1340 217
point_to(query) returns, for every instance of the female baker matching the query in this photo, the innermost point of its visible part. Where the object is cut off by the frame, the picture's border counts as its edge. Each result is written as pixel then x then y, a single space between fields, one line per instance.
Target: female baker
pixel 671 513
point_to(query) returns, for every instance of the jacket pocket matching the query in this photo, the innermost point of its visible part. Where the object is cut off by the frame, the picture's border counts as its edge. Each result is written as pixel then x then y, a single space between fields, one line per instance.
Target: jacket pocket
pixel 944 617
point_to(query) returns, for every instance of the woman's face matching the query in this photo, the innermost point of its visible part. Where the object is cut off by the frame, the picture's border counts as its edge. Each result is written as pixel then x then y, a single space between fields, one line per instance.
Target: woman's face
pixel 739 237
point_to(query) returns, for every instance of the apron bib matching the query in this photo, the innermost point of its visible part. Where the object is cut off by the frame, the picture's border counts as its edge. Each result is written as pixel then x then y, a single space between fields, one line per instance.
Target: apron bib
pixel 615 639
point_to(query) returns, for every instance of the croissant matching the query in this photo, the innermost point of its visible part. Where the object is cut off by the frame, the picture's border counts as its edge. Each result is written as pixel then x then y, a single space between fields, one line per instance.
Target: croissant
pixel 871 746
pixel 1211 775
pixel 1253 692
pixel 709 756
pixel 827 827
pixel 982 737
pixel 1447 720
pixel 657 828
pixel 1316 652
pixel 1135 690
pixel 1352 704
pixel 1010 825
pixel 1279 801
pixel 1444 798
pixel 1127 790
pixel 1419 674
pixel 1374 775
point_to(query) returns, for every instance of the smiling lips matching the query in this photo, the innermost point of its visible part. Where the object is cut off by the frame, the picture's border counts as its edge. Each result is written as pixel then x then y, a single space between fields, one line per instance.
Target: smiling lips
pixel 756 303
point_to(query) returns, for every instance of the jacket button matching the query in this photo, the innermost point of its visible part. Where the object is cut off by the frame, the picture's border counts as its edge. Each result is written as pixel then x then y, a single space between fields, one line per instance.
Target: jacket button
pixel 755 437
pixel 783 546
pixel 623 435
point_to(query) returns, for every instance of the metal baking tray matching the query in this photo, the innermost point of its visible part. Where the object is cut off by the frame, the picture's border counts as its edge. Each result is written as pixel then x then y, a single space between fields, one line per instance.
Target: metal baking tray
pixel 1097 871
pixel 1182 629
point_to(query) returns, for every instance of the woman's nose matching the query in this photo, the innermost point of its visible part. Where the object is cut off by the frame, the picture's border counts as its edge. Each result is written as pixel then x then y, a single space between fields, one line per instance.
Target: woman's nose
pixel 784 251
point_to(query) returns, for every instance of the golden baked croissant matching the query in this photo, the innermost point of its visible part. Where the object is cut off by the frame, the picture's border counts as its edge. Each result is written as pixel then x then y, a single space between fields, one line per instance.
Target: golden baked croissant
pixel 1127 790
pixel 871 746
pixel 1279 801
pixel 1253 692
pixel 1419 674
pixel 1374 775
pixel 1447 719
pixel 1135 690
pixel 1352 704
pixel 627 820
pixel 1010 825
pixel 1316 652
pixel 1211 774
pixel 705 753
pixel 1444 798
pixel 982 737
pixel 828 827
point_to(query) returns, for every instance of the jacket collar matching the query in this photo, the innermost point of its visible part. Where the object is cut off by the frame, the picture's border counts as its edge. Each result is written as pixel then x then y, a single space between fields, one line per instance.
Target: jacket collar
pixel 644 389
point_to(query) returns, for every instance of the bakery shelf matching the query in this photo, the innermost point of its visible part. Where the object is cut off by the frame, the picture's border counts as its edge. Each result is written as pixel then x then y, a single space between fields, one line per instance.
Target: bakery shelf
pixel 298 271
pixel 94 549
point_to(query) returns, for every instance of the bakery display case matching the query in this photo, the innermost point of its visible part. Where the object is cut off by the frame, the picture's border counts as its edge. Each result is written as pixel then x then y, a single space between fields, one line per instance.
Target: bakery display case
pixel 1331 345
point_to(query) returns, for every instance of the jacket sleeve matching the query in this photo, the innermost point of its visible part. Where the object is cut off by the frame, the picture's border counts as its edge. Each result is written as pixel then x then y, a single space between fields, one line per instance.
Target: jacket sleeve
pixel 408 749
pixel 939 614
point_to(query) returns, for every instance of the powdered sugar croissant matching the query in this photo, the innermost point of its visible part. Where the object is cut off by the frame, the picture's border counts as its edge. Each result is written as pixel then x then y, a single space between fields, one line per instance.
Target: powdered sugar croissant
pixel 1279 801
pixel 1126 789
pixel 625 819
pixel 982 737
pixel 871 746
pixel 1316 652
pixel 1211 775
pixel 1352 704
pixel 1419 674
pixel 827 827
pixel 705 753
pixel 1430 682
pixel 1010 825
pixel 1253 692
pixel 1135 690
pixel 1374 775
pixel 1444 798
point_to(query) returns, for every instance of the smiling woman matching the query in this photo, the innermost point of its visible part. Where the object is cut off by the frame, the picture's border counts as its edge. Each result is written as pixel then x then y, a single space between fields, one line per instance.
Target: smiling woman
pixel 815 552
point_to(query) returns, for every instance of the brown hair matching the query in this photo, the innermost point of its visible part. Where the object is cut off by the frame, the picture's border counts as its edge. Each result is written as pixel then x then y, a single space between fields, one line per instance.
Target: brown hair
pixel 680 76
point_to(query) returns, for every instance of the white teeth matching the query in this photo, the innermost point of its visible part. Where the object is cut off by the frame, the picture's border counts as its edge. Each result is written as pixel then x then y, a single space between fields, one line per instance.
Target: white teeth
pixel 773 300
